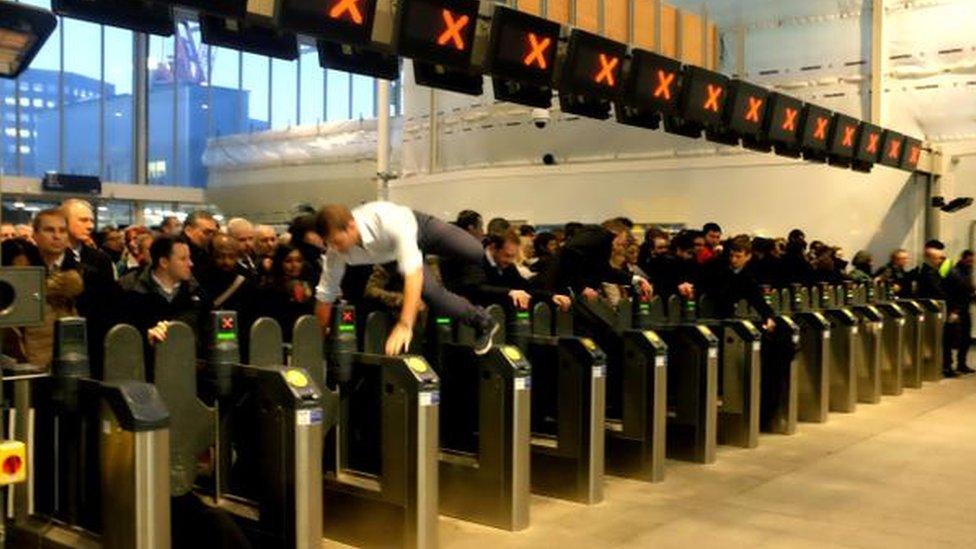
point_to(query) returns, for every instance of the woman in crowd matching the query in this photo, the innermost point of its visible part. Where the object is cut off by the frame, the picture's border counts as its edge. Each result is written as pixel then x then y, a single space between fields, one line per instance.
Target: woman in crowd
pixel 289 295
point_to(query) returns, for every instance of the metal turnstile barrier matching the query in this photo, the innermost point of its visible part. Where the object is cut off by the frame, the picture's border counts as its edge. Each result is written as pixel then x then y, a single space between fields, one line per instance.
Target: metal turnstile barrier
pixel 844 341
pixel 568 407
pixel 913 356
pixel 382 458
pixel 814 357
pixel 935 318
pixel 636 412
pixel 893 335
pixel 693 355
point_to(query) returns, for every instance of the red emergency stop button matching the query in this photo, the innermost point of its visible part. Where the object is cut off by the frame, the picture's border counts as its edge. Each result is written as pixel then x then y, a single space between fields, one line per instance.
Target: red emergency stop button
pixel 13 459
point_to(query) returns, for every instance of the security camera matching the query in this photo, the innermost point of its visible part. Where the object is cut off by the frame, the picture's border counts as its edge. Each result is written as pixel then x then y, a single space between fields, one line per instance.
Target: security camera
pixel 540 117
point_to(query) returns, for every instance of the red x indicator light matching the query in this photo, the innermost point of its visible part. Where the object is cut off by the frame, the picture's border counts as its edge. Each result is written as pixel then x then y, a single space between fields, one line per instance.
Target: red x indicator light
pixel 607 66
pixel 872 146
pixel 347 9
pixel 665 80
pixel 755 104
pixel 348 317
pixel 714 93
pixel 537 51
pixel 789 119
pixel 453 25
pixel 226 323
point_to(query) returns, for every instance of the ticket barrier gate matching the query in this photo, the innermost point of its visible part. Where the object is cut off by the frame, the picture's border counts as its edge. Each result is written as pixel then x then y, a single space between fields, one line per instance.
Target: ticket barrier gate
pixel 893 335
pixel 779 398
pixel 636 411
pixel 844 340
pixel 778 392
pixel 739 374
pixel 935 317
pixel 568 403
pixel 869 352
pixel 913 356
pixel 264 423
pixel 381 460
pixel 484 423
pixel 56 412
pixel 692 427
pixel 814 357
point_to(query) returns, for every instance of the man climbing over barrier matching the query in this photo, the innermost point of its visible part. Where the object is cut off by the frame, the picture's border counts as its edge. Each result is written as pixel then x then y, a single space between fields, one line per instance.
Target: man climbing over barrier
pixel 381 232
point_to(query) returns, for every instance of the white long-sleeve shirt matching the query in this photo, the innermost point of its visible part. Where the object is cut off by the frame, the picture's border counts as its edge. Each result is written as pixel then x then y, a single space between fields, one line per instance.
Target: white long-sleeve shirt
pixel 388 232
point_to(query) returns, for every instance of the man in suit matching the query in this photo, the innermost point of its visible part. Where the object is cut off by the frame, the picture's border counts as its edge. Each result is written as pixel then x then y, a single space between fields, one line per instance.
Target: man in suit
pixel 497 279
pixel 98 302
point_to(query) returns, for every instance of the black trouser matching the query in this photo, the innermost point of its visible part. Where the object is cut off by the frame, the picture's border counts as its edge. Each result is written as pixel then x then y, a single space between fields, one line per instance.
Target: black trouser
pixel 435 237
pixel 956 338
pixel 965 340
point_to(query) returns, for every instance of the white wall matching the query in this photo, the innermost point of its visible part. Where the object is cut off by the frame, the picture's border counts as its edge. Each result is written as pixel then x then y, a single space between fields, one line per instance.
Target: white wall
pixel 757 194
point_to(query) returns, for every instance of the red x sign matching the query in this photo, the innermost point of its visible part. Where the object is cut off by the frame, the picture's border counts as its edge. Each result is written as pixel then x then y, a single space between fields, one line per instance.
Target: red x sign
pixel 226 323
pixel 537 51
pixel 789 120
pixel 347 8
pixel 752 115
pixel 348 317
pixel 664 81
pixel 913 154
pixel 873 142
pixel 607 65
pixel 714 92
pixel 894 149
pixel 821 131
pixel 452 30
pixel 849 136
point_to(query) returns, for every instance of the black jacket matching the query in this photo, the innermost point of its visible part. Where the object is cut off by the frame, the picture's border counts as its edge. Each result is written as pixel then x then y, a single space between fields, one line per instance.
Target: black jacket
pixel 896 275
pixel 200 258
pixel 146 306
pixel 726 288
pixel 487 285
pixel 930 283
pixel 959 290
pixel 286 303
pixel 668 272
pixel 796 269
pixel 585 263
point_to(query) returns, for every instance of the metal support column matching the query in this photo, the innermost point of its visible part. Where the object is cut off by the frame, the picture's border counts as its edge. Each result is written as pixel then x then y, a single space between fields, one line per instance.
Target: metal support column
pixel 879 62
pixel 141 109
pixel 432 138
pixel 933 216
pixel 383 140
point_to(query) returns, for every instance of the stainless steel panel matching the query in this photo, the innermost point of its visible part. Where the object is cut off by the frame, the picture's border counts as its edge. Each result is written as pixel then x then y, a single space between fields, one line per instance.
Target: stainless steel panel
pixel 308 485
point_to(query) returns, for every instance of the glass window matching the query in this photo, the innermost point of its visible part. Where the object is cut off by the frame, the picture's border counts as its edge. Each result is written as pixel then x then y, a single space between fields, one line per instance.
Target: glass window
pixel 118 121
pixel 193 104
pixel 363 97
pixel 39 149
pixel 161 66
pixel 284 93
pixel 228 105
pixel 337 96
pixel 313 86
pixel 256 70
pixel 82 109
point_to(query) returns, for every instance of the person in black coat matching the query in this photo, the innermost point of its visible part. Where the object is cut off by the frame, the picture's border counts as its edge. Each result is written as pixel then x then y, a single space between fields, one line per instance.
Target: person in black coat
pixel 960 294
pixel 165 292
pixel 98 303
pixel 497 280
pixel 796 267
pixel 896 273
pixel 677 272
pixel 584 263
pixel 198 229
pixel 288 296
pixel 730 279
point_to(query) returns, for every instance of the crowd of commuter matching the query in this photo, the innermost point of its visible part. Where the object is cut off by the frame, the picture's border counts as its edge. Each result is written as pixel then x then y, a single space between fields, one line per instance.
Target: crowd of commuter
pixel 181 270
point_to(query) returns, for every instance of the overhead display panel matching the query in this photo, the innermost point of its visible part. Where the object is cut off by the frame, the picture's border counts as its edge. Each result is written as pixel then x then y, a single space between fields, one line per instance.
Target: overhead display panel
pixel 704 96
pixel 358 60
pixel 134 15
pixel 438 31
pixel 815 132
pixel 343 21
pixel 652 82
pixel 23 31
pixel 257 39
pixel 440 77
pixel 892 148
pixel 522 57
pixel 593 66
pixel 783 121
pixel 844 133
pixel 869 143
pixel 750 104
pixel 522 47
pixel 911 154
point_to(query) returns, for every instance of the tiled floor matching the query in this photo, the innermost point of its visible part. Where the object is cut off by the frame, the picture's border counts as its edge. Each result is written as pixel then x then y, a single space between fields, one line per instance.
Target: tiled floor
pixel 896 474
